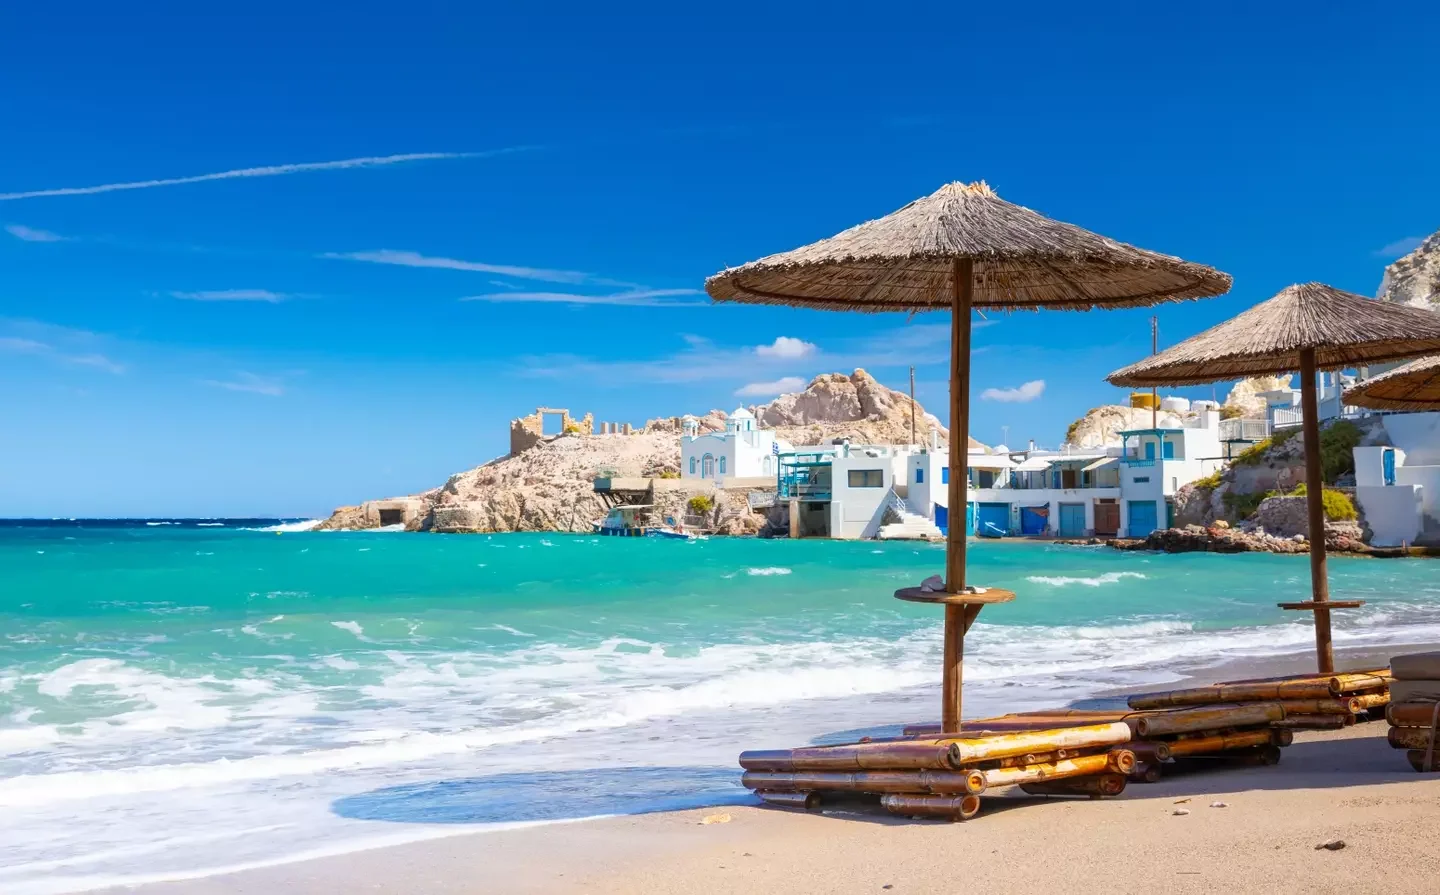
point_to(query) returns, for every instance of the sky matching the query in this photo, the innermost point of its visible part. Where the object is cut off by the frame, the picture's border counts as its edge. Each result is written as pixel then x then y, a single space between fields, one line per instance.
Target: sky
pixel 271 259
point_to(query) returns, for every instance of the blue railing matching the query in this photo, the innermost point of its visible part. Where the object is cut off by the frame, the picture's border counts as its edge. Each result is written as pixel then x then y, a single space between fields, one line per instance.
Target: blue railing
pixel 1135 461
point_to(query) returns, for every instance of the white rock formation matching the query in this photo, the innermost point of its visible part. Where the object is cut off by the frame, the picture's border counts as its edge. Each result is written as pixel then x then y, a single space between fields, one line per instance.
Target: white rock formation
pixel 1415 279
pixel 1245 394
pixel 1101 426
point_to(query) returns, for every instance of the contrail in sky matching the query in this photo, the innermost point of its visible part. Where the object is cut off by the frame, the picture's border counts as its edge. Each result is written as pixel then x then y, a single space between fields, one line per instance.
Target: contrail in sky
pixel 268 171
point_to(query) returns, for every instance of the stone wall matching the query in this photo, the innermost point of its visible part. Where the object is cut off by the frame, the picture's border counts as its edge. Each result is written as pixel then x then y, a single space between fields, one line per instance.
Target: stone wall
pixel 528 431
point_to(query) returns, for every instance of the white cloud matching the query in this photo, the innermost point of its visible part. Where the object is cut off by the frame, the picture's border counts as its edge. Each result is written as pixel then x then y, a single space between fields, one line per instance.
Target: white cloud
pixel 250 382
pixel 771 389
pixel 267 171
pixel 415 259
pixel 45 349
pixel 787 348
pixel 232 295
pixel 30 234
pixel 1399 247
pixel 1021 394
pixel 642 298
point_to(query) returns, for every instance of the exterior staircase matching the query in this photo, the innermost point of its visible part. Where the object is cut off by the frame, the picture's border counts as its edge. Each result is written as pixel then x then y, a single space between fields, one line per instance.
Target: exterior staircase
pixel 902 523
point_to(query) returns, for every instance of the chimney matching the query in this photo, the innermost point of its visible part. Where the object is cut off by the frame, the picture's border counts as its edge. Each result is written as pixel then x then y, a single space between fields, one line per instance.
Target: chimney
pixel 935 440
pixel 1032 445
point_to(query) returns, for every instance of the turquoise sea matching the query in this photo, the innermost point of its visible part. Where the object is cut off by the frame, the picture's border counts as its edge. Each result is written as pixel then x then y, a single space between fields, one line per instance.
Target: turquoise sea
pixel 176 700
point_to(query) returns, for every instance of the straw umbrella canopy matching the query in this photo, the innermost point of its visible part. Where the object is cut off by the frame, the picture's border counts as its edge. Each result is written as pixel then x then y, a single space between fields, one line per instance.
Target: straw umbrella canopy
pixel 961 248
pixel 1413 386
pixel 1306 327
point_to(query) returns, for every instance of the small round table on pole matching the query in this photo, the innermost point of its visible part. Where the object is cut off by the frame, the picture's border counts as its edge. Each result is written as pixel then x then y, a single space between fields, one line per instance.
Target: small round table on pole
pixel 961 610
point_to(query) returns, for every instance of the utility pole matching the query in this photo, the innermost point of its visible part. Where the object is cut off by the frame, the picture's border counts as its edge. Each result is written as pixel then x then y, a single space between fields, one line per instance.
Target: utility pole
pixel 912 407
pixel 1154 392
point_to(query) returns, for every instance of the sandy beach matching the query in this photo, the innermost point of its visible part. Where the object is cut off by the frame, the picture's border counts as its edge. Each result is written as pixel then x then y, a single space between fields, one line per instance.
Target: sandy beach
pixel 1347 785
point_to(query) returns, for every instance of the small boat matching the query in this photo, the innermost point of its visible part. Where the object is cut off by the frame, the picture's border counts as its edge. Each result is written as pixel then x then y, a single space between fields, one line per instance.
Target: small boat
pixel 665 531
pixel 990 530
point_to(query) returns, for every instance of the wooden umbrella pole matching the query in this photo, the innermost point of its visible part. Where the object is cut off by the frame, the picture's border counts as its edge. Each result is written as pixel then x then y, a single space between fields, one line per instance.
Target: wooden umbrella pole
pixel 1315 506
pixel 963 286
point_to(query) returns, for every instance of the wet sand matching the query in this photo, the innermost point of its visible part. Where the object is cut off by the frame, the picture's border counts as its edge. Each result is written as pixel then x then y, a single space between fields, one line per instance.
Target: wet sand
pixel 1348 785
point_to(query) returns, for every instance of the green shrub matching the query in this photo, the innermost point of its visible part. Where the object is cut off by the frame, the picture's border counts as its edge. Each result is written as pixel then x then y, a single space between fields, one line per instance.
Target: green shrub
pixel 1337 450
pixel 1243 506
pixel 700 505
pixel 669 474
pixel 1231 411
pixel 1338 505
pixel 1209 483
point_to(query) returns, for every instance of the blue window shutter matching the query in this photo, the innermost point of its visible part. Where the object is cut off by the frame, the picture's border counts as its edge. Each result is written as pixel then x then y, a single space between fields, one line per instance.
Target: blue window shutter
pixel 919 475
pixel 1169 451
pixel 1149 450
pixel 944 475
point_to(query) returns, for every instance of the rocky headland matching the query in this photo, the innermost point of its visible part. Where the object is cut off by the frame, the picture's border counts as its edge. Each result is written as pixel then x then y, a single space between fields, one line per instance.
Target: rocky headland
pixel 549 484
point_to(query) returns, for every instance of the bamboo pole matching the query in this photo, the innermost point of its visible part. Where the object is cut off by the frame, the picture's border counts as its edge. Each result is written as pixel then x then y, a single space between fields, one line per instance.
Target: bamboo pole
pixel 1351 683
pixel 1371 672
pixel 1151 751
pixel 1220 743
pixel 1370 701
pixel 1253 756
pixel 1091 736
pixel 1413 737
pixel 1281 736
pixel 809 801
pixel 1228 693
pixel 1094 787
pixel 1080 766
pixel 1315 508
pixel 953 671
pixel 1314 722
pixel 937 782
pixel 1206 718
pixel 855 757
pixel 1149 772
pixel 951 807
pixel 1412 714
pixel 1344 705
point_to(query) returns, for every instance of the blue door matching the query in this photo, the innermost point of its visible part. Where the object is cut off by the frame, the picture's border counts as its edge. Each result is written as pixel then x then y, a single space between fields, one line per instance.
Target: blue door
pixel 1072 520
pixel 1388 462
pixel 1034 520
pixel 942 518
pixel 1169 450
pixel 994 514
pixel 1142 518
pixel 1149 450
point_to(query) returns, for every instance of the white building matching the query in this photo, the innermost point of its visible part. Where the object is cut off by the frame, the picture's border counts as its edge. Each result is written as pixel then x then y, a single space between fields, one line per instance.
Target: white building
pixel 1282 407
pixel 1126 491
pixel 742 451
pixel 1398 488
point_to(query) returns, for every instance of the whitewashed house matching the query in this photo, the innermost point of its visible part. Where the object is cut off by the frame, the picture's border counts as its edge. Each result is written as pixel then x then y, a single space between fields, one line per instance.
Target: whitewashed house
pixel 1155 463
pixel 742 451
pixel 1398 488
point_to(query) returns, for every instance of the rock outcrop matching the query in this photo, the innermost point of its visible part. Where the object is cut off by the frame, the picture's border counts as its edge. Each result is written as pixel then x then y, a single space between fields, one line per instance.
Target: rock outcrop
pixel 1340 537
pixel 1101 426
pixel 1245 397
pixel 549 484
pixel 856 407
pixel 1415 279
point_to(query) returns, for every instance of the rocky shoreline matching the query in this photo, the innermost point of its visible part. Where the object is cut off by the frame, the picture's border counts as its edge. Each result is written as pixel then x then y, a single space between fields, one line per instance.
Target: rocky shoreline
pixel 1340 539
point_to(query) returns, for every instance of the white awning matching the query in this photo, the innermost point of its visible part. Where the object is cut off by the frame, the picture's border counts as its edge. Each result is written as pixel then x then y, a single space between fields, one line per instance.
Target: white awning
pixel 1101 464
pixel 1036 464
pixel 988 461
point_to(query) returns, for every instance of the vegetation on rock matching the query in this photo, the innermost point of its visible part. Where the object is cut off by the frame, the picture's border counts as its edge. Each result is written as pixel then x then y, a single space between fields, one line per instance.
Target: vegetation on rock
pixel 700 504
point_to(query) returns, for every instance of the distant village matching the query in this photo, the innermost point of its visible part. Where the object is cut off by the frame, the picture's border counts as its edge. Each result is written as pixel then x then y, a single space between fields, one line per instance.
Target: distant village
pixel 1126 488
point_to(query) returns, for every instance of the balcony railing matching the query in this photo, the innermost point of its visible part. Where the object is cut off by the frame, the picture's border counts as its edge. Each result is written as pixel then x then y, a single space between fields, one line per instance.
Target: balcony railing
pixel 1139 461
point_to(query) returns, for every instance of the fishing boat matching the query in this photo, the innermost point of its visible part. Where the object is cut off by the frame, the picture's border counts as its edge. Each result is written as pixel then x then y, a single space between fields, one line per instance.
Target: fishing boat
pixel 626 521
pixel 990 530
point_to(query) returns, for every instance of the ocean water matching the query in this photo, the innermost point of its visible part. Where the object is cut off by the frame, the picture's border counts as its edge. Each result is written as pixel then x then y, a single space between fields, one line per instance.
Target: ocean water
pixel 178 700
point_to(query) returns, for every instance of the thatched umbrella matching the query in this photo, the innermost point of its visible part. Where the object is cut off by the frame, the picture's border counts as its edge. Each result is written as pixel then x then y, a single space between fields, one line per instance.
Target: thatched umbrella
pixel 1413 386
pixel 1306 327
pixel 960 248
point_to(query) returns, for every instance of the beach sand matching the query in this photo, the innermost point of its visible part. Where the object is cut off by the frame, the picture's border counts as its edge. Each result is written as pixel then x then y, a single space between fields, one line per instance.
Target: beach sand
pixel 1347 785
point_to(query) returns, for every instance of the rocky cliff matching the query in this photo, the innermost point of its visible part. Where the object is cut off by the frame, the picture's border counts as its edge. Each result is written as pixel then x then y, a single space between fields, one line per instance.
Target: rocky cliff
pixel 1101 426
pixel 856 407
pixel 549 486
pixel 1244 397
pixel 1415 279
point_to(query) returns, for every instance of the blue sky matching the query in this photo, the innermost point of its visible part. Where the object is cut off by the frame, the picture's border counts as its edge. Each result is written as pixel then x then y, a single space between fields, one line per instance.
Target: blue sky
pixel 445 215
